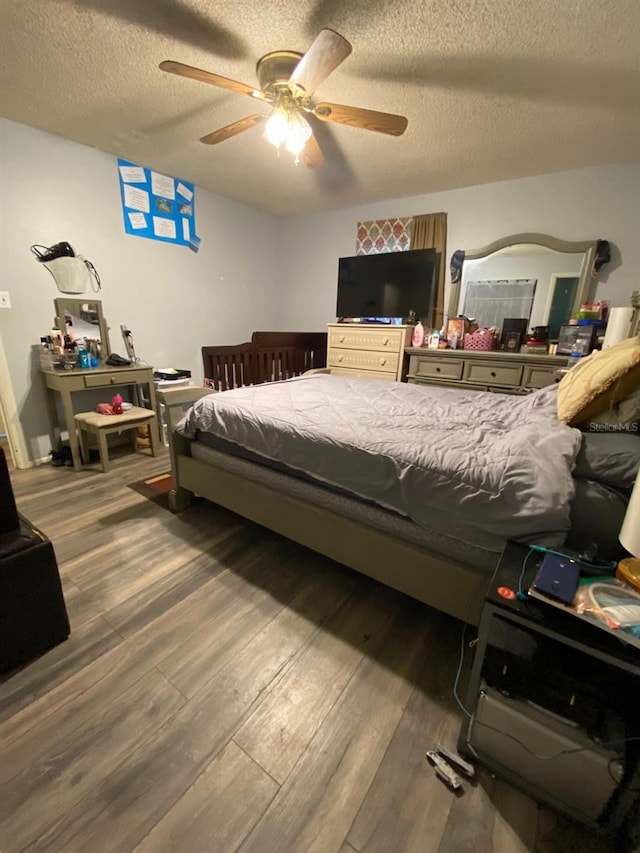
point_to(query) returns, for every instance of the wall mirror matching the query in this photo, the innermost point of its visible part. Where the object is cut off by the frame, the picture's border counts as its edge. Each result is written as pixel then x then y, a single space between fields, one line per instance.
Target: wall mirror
pixel 528 276
pixel 85 318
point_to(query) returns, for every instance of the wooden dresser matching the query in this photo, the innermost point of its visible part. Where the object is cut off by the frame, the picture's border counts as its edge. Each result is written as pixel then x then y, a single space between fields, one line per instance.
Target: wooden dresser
pixel 374 352
pixel 506 373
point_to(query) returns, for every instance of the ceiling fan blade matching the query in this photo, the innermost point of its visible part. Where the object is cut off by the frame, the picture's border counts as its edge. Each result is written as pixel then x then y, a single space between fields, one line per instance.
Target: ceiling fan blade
pixel 208 77
pixel 311 154
pixel 232 129
pixel 365 119
pixel 328 50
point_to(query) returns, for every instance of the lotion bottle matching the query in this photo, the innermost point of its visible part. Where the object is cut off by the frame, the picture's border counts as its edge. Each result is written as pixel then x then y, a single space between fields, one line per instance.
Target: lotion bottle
pixel 418 335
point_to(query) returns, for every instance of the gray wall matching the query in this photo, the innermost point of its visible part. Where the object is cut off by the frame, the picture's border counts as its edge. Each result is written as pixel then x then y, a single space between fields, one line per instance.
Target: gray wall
pixel 173 299
pixel 585 204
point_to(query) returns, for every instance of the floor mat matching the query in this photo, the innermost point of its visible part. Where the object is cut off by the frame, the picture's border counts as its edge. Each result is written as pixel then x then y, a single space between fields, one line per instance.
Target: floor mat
pixel 155 489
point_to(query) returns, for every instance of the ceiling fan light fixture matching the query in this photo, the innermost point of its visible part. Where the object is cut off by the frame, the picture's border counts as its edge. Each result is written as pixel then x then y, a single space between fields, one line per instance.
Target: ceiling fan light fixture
pixel 277 127
pixel 298 133
pixel 288 80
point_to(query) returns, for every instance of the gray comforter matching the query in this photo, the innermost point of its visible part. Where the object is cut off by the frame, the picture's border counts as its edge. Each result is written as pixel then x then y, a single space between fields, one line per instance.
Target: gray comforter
pixel 497 464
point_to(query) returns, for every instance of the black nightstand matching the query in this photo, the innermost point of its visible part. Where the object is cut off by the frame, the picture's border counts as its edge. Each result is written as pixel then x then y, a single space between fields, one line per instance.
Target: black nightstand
pixel 548 681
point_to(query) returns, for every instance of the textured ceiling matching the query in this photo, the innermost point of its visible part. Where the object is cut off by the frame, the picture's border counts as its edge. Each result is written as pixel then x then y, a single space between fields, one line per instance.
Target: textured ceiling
pixel 493 89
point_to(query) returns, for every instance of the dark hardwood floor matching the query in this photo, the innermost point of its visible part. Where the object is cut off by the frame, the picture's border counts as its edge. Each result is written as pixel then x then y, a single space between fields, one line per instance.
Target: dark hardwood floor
pixel 224 689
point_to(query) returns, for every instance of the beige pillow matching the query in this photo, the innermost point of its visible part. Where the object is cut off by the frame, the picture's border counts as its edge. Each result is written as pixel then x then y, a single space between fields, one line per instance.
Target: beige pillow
pixel 599 381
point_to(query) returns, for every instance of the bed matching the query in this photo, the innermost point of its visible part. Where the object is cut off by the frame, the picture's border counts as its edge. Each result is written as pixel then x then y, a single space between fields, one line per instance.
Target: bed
pixel 348 468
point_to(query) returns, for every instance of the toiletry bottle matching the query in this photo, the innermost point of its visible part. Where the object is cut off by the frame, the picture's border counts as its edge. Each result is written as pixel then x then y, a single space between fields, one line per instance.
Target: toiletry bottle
pixel 116 404
pixel 418 335
pixel 84 359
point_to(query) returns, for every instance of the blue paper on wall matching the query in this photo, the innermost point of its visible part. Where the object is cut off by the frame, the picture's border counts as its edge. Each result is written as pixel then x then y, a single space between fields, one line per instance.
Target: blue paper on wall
pixel 157 206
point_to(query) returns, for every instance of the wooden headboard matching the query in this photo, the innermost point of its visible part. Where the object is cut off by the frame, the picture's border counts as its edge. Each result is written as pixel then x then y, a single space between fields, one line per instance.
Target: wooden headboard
pixel 269 356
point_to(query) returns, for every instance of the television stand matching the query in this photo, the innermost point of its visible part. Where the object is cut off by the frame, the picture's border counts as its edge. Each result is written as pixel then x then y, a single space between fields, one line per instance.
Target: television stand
pixel 369 351
pixel 368 321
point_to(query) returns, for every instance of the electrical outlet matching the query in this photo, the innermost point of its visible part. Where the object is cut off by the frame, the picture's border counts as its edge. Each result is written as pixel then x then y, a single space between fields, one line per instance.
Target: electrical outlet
pixel 5 299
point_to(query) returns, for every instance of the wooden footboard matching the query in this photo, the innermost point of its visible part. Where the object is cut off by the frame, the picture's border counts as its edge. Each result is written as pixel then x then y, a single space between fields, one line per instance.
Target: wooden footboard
pixel 429 577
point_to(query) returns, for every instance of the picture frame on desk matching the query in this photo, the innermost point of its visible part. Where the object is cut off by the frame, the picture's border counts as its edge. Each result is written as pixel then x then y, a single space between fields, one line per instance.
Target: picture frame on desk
pixel 512 342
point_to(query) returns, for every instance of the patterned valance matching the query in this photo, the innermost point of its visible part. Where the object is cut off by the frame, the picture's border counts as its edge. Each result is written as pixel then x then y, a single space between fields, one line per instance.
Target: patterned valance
pixel 383 235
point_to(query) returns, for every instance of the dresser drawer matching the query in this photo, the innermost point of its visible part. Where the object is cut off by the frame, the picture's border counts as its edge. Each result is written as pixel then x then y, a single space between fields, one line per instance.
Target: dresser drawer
pixel 365 360
pixel 432 367
pixel 123 377
pixel 539 377
pixel 493 374
pixel 367 338
pixel 363 374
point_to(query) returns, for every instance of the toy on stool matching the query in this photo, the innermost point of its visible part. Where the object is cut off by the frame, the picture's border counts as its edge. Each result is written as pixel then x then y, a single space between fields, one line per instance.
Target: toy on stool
pixel 116 404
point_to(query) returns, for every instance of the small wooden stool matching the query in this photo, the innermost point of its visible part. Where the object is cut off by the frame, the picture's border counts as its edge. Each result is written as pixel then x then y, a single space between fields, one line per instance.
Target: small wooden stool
pixel 104 425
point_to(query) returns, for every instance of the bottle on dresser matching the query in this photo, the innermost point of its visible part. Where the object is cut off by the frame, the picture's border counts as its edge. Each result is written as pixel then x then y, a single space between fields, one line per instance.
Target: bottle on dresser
pixel 576 354
pixel 417 339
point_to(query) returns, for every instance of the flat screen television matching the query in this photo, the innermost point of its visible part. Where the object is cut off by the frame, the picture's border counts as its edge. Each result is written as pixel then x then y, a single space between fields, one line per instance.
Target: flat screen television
pixel 387 287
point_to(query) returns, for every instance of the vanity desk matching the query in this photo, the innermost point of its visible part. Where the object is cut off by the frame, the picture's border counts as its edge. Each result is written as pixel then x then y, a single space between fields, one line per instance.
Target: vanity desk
pixel 502 372
pixel 66 383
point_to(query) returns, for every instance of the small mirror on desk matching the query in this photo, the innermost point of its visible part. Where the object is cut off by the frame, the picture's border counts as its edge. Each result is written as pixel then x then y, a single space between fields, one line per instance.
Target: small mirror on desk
pixel 85 320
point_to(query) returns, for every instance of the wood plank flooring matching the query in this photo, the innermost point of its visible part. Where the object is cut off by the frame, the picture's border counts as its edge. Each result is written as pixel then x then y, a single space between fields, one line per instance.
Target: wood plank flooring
pixel 224 689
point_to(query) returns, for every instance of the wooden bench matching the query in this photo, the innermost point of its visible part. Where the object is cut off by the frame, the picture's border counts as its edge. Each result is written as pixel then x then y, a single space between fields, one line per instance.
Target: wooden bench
pixel 103 425
pixel 268 357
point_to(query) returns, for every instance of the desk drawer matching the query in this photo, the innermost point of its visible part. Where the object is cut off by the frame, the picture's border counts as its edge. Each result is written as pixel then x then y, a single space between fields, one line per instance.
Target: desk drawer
pixel 381 362
pixel 539 377
pixel 119 377
pixel 436 368
pixel 367 338
pixel 493 374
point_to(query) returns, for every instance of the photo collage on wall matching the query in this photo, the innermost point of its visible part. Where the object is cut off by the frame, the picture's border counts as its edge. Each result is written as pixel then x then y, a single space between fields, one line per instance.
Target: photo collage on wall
pixel 157 206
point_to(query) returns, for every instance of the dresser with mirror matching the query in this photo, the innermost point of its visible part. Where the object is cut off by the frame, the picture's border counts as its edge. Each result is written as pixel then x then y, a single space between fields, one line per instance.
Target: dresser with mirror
pixel 536 278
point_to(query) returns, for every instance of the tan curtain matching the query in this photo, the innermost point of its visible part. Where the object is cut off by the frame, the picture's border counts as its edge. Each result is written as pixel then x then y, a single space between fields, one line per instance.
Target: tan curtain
pixel 430 232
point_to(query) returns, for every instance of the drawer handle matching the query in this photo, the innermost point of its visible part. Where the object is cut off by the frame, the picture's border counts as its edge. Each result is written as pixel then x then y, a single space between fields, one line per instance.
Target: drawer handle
pixel 340 358
pixel 341 338
pixel 385 341
pixel 438 369
pixel 112 380
pixel 493 373
pixel 383 361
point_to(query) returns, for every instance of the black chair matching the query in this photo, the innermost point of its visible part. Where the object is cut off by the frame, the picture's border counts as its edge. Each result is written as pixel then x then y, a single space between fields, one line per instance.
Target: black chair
pixel 33 615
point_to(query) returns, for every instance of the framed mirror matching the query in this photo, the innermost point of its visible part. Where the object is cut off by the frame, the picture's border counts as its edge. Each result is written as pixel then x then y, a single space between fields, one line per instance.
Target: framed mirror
pixel 85 318
pixel 533 277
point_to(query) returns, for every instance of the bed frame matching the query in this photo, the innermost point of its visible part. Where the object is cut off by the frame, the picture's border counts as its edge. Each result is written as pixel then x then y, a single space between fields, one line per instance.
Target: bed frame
pixel 429 577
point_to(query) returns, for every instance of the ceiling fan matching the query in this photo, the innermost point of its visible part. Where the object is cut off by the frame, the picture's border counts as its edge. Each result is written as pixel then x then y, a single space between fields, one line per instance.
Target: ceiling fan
pixel 287 81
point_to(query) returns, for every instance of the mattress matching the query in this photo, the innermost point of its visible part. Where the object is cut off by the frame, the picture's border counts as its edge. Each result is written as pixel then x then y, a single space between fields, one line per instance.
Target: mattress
pixel 485 467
